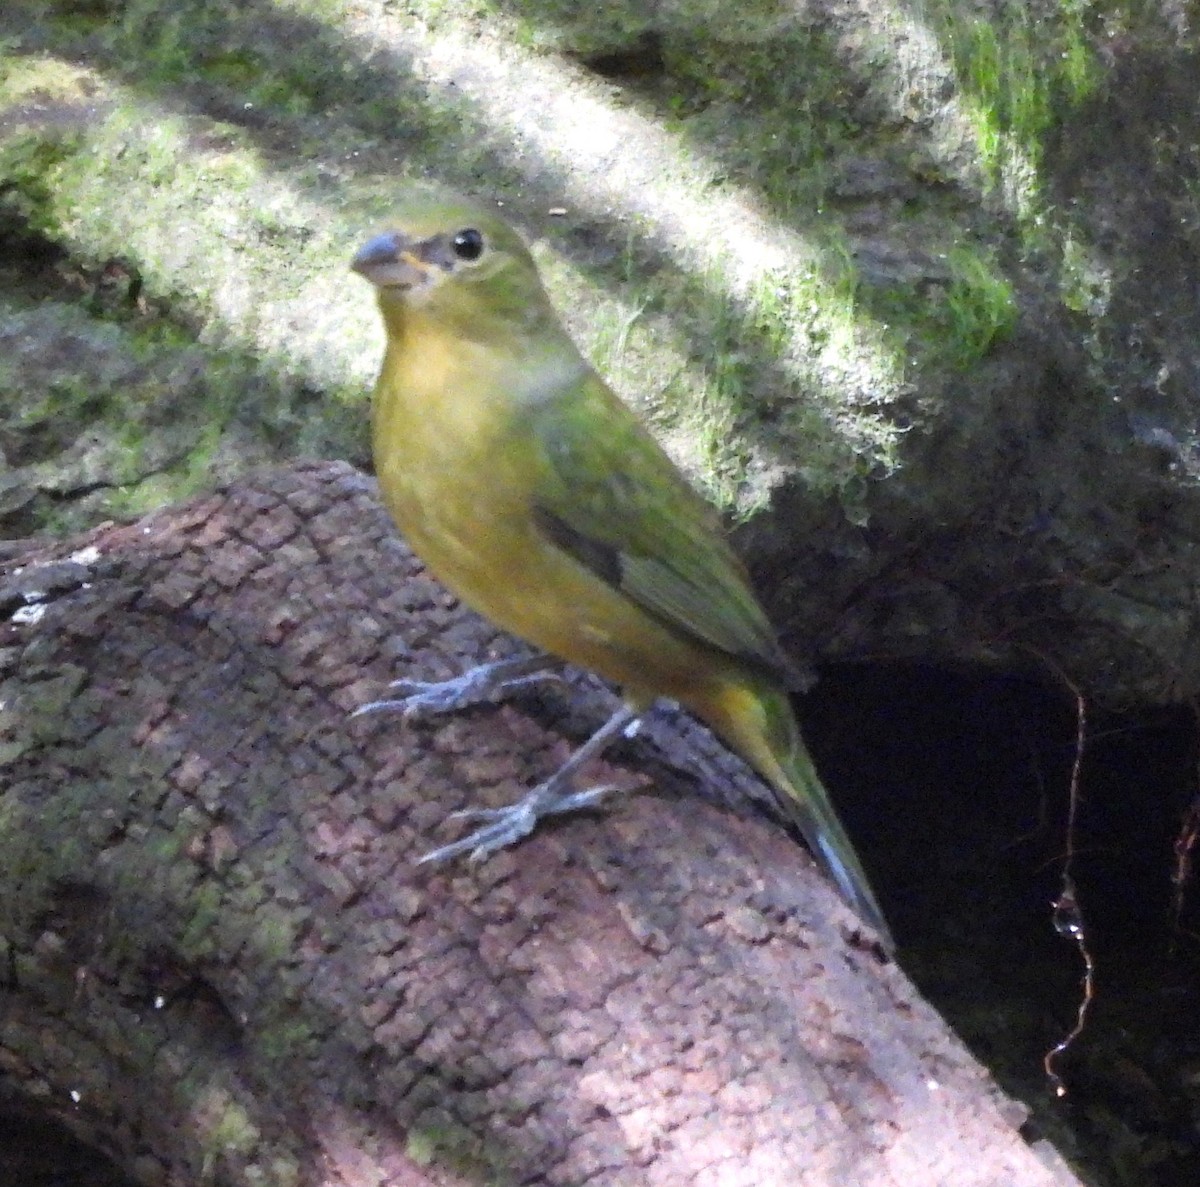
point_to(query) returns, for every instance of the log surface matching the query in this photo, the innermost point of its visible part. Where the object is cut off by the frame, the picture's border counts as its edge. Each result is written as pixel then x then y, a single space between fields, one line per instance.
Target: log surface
pixel 220 961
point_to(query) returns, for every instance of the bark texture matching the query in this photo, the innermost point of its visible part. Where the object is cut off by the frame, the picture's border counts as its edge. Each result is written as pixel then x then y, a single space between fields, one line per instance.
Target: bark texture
pixel 220 962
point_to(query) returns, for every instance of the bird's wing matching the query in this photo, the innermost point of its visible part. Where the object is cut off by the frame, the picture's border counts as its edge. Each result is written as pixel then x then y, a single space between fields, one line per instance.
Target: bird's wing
pixel 609 496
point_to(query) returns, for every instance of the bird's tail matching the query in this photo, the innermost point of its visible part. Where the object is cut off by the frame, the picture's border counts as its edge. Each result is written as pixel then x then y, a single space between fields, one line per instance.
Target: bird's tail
pixel 760 725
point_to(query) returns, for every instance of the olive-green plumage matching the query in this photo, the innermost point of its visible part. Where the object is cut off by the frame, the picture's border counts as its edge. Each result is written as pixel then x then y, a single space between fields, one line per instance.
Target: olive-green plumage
pixel 535 494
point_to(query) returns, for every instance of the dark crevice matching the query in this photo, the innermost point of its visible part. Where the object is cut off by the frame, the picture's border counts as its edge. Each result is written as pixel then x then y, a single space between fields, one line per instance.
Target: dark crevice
pixel 955 788
pixel 36 1151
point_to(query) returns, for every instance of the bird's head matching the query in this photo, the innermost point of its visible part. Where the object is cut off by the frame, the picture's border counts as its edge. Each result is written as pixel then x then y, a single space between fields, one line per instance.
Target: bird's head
pixel 455 264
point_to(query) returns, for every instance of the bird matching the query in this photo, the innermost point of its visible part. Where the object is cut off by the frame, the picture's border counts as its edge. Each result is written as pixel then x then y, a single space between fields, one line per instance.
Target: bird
pixel 538 498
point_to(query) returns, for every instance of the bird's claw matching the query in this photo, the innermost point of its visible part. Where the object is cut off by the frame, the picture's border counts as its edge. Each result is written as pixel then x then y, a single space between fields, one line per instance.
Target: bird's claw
pixel 487 682
pixel 510 825
pixel 421 698
pixel 513 823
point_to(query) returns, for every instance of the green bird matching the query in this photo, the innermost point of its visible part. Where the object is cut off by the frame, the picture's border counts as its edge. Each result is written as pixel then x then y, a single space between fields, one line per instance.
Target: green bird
pixel 534 494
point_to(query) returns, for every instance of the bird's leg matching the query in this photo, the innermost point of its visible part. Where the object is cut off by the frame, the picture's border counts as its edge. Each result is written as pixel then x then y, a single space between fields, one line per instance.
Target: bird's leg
pixel 484 682
pixel 508 825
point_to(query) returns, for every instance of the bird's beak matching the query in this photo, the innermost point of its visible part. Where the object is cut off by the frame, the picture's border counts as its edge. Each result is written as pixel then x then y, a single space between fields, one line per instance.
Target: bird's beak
pixel 388 261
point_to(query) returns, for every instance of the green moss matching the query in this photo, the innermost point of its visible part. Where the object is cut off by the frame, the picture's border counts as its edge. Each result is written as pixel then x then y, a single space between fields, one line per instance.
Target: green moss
pixel 979 309
pixel 1019 73
pixel 275 933
pixel 29 165
pixel 33 77
pixel 134 411
pixel 289 59
pixel 773 114
pixel 205 907
pixel 28 870
pixel 954 324
pixel 224 1127
pixel 1085 278
pixel 763 102
pixel 44 699
pixel 721 347
pixel 447 1145
pixel 284 1041
pixel 163 848
pixel 280 1172
pixel 146 420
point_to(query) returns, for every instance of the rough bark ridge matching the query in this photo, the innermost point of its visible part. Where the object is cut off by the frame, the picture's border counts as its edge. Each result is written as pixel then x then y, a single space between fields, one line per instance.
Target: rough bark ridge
pixel 219 961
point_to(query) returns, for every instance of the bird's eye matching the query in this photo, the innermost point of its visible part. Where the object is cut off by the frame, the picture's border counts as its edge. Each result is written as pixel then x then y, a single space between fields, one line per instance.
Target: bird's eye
pixel 468 244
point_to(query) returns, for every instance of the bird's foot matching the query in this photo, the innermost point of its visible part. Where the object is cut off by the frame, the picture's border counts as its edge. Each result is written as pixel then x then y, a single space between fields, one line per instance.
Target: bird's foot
pixel 484 682
pixel 507 826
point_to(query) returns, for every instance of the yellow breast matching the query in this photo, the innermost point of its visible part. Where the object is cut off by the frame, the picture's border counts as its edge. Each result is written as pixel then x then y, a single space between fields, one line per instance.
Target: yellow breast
pixel 457 468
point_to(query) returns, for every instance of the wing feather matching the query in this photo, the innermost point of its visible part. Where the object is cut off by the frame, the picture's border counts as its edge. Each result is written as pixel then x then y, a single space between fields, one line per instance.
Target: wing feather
pixel 618 505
